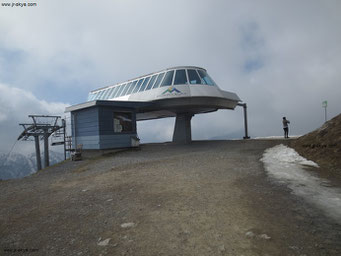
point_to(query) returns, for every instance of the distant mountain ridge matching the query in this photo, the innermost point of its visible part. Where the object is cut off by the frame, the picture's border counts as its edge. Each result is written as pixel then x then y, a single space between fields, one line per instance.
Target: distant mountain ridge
pixel 17 165
pixel 229 136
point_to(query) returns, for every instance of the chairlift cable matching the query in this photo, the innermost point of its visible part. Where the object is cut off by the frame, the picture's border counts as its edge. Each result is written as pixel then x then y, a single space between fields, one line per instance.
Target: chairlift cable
pixel 9 153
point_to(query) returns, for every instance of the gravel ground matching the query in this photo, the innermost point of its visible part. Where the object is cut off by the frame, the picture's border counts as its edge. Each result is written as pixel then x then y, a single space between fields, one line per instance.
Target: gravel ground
pixel 206 198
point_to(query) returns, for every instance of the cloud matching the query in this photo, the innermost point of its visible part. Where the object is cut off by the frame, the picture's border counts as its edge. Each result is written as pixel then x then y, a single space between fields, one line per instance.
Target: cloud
pixel 281 57
pixel 157 130
pixel 15 106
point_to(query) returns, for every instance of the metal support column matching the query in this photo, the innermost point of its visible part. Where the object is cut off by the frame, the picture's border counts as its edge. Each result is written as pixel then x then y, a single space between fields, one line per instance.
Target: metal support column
pixel 46 149
pixel 245 120
pixel 36 140
pixel 74 135
pixel 64 133
pixel 45 126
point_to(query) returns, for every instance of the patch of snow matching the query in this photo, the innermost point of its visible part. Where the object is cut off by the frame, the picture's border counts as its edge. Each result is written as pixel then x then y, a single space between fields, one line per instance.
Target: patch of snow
pixel 250 234
pixel 285 165
pixel 128 225
pixel 285 156
pixel 276 137
pixel 264 236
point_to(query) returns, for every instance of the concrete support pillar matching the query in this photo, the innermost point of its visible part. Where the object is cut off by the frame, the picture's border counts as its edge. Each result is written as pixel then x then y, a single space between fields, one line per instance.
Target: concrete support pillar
pixel 46 149
pixel 36 140
pixel 182 130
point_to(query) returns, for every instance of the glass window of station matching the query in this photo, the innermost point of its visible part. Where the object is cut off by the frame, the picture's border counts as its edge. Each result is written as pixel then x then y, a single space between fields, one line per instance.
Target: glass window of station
pixel 168 78
pixel 106 93
pixel 144 84
pixel 137 87
pixel 126 89
pixel 151 83
pixel 158 80
pixel 206 79
pixel 123 122
pixel 180 77
pixel 119 90
pixel 191 76
pixel 131 87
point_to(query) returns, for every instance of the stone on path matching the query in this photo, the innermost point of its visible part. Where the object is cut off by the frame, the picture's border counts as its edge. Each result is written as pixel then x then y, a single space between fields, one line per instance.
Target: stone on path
pixel 104 242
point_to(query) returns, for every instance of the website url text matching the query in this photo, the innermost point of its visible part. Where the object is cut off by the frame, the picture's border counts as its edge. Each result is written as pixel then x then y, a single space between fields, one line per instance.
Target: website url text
pixel 19 4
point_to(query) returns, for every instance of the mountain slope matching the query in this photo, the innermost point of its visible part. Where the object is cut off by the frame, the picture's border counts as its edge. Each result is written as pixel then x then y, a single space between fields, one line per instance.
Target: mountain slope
pixel 17 165
pixel 323 145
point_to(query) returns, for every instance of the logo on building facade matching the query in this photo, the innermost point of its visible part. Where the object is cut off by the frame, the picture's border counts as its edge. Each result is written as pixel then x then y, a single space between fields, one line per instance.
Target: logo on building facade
pixel 172 90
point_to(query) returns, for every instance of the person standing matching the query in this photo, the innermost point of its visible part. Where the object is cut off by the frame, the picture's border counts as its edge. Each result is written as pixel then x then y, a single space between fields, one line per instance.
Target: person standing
pixel 286 127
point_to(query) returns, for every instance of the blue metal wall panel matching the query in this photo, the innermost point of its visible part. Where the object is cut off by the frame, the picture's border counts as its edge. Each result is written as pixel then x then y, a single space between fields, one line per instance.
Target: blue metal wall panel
pixel 115 141
pixel 93 127
pixel 86 122
pixel 89 142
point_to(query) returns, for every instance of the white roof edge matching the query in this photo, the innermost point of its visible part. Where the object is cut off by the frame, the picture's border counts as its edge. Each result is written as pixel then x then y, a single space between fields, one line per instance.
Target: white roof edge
pixel 150 74
pixel 86 104
pixel 231 95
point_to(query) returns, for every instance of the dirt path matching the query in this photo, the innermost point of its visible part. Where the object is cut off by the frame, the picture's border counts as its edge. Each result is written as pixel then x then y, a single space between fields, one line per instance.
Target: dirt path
pixel 207 198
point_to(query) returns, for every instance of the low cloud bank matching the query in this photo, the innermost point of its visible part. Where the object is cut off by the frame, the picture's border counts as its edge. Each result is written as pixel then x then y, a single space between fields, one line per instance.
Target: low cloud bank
pixel 15 106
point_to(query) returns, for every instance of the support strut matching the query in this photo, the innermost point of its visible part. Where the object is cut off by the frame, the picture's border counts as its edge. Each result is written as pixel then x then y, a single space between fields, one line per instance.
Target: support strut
pixel 46 149
pixel 36 140
pixel 245 120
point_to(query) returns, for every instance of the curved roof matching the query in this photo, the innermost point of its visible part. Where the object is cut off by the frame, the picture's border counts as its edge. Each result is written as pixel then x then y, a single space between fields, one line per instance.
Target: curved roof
pixel 150 74
pixel 181 75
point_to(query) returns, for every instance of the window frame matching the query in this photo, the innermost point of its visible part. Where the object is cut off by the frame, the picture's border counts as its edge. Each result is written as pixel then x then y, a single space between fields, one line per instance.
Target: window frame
pixel 164 78
pixel 91 96
pixel 137 87
pixel 125 88
pixel 95 96
pixel 151 83
pixel 101 93
pixel 185 76
pixel 121 89
pixel 132 122
pixel 189 81
pixel 147 82
pixel 131 87
pixel 160 82
pixel 113 92
pixel 105 95
pixel 206 83
pixel 118 90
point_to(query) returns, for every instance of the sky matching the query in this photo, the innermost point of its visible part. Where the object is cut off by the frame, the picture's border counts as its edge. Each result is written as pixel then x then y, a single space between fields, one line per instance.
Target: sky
pixel 282 58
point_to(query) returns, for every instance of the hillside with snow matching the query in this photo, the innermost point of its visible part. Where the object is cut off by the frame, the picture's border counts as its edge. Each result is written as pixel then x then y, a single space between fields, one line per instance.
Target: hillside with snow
pixel 323 145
